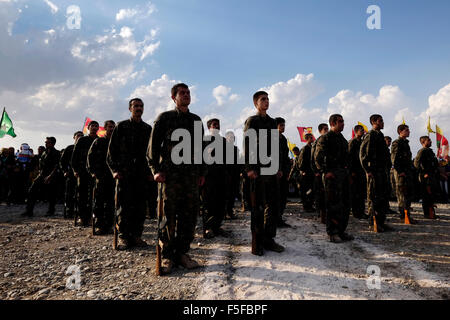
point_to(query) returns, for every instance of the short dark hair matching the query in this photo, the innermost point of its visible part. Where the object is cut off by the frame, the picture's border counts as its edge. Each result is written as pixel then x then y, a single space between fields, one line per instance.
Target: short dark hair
pixel 358 127
pixel 295 149
pixel 374 118
pixel 279 120
pixel 77 133
pixel 259 94
pixel 322 126
pixel 175 88
pixel 135 99
pixel 308 135
pixel 423 139
pixel 93 122
pixel 387 138
pixel 210 122
pixel 401 127
pixel 109 122
pixel 334 118
pixel 52 140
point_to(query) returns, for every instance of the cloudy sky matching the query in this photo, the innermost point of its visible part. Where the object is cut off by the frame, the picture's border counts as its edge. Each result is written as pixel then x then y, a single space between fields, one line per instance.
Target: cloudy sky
pixel 62 61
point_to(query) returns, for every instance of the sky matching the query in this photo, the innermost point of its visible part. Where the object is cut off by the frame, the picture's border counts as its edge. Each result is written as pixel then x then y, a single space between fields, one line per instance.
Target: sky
pixel 62 61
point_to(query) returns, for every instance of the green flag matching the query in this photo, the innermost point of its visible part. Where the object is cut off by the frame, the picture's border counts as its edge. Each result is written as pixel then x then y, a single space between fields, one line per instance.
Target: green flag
pixel 6 126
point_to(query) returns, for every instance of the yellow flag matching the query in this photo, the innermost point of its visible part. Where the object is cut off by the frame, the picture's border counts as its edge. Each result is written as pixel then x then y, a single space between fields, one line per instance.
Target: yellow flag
pixel 364 126
pixel 429 127
pixel 291 148
pixel 403 120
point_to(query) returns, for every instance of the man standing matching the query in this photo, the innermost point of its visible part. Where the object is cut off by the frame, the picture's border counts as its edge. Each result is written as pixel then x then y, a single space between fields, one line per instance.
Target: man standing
pixel 427 165
pixel 179 183
pixel 233 175
pixel 71 182
pixel 375 160
pixel 318 187
pixel 285 165
pixel 103 204
pixel 84 179
pixel 48 169
pixel 127 161
pixel 358 189
pixel 332 161
pixel 402 161
pixel 215 189
pixel 306 175
pixel 264 190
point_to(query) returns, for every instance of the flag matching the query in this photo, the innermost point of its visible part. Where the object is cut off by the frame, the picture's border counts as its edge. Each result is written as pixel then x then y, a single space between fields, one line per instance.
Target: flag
pixel 101 131
pixel 429 127
pixel 291 147
pixel 303 131
pixel 6 125
pixel 442 144
pixel 366 130
pixel 403 120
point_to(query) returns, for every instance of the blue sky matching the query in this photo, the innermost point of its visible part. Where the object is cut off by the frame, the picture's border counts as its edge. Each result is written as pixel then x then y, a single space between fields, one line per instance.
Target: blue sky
pixel 314 58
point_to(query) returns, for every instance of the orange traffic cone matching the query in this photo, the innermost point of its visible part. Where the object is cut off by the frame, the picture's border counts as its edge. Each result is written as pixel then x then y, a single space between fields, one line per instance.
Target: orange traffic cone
pixel 407 217
pixel 375 227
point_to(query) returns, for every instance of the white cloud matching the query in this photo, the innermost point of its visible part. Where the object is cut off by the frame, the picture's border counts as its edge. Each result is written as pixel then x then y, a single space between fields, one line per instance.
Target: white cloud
pixel 138 13
pixel 126 14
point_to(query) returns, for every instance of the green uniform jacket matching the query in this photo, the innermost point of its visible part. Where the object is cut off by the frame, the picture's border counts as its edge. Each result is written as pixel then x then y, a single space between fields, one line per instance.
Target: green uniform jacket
pixel 331 152
pixel 354 147
pixel 374 153
pixel 426 163
pixel 79 155
pixel 49 162
pixel 401 156
pixel 96 158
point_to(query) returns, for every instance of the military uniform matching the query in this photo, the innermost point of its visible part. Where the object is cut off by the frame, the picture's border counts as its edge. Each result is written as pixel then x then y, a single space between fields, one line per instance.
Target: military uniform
pixel 104 190
pixel 401 160
pixel 264 190
pixel 331 155
pixel 85 182
pixel 358 187
pixel 48 166
pixel 233 183
pixel 127 156
pixel 214 191
pixel 375 159
pixel 426 163
pixel 70 181
pixel 180 191
pixel 318 187
pixel 285 166
pixel 306 177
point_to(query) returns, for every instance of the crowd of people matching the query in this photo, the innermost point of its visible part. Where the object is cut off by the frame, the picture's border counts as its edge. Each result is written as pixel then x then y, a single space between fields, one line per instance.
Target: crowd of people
pixel 114 182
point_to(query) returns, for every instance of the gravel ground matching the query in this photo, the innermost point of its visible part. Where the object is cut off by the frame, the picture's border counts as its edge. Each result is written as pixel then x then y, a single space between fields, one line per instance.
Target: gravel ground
pixel 40 254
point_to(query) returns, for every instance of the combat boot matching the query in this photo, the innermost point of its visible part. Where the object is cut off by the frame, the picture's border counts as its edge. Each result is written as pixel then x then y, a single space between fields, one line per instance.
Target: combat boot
pixel 346 237
pixel 335 238
pixel 271 245
pixel 123 244
pixel 167 266
pixel 188 263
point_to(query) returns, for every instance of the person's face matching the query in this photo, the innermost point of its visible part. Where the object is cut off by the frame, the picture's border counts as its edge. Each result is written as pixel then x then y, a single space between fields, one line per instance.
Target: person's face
pixel 230 138
pixel 281 127
pixel 48 144
pixel 215 125
pixel 339 125
pixel 359 133
pixel 262 103
pixel 41 150
pixel 77 137
pixel 296 152
pixel 405 133
pixel 324 130
pixel 136 109
pixel 93 128
pixel 428 143
pixel 182 98
pixel 380 123
pixel 388 142
pixel 109 128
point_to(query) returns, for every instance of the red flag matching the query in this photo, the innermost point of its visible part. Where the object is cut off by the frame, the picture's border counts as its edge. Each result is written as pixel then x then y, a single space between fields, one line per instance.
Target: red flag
pixel 101 131
pixel 303 131
pixel 442 144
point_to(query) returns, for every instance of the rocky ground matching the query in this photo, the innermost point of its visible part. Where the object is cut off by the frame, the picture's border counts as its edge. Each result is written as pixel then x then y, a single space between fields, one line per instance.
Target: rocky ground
pixel 41 257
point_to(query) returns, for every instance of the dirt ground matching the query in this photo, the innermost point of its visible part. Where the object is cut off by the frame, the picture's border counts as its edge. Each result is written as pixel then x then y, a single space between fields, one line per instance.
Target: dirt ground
pixel 41 255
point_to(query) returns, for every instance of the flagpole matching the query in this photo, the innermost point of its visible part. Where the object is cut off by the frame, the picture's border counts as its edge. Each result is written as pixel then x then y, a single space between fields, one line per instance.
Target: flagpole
pixel 1 120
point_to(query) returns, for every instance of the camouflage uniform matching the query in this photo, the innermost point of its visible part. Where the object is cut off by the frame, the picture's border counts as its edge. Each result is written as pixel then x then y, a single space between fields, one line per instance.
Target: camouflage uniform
pixel 401 160
pixel 318 187
pixel 358 187
pixel 264 190
pixel 214 191
pixel 104 190
pixel 71 182
pixel 48 165
pixel 180 191
pixel 426 163
pixel 331 155
pixel 306 177
pixel 285 165
pixel 375 159
pixel 85 182
pixel 127 156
